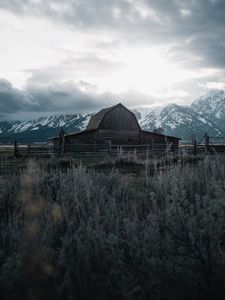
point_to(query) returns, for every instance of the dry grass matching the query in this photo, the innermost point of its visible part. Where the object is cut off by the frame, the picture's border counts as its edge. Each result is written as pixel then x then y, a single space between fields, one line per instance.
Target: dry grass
pixel 68 232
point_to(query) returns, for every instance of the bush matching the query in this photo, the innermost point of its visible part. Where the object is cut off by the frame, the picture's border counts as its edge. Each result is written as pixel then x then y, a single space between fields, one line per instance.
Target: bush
pixel 74 233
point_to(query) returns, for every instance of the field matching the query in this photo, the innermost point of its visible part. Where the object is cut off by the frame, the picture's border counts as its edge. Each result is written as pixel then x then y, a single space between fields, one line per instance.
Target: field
pixel 116 230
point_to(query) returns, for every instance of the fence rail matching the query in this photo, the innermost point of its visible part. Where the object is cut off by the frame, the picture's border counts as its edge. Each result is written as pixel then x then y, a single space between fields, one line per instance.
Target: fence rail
pixel 202 148
pixel 85 150
pixel 105 149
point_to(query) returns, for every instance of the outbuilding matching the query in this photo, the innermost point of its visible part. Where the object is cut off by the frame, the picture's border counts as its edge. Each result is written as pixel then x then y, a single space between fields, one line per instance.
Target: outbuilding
pixel 119 126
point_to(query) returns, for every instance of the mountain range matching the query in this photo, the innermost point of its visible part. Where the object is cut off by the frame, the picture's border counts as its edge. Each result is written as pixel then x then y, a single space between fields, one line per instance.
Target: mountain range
pixel 41 129
pixel 206 114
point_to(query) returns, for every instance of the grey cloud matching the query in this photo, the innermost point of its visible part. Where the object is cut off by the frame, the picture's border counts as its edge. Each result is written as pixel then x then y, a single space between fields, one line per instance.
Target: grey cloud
pixel 200 33
pixel 72 67
pixel 204 23
pixel 78 12
pixel 59 98
pixel 204 14
pixel 196 40
pixel 11 99
pixel 62 97
pixel 212 49
pixel 69 97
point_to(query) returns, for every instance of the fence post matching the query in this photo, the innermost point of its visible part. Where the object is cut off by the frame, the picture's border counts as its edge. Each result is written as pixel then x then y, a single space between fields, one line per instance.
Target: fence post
pixel 28 150
pixel 63 146
pixel 206 141
pixel 147 154
pixel 153 147
pixel 15 149
pixel 110 147
pixel 62 142
pixel 121 151
pixel 167 148
pixel 195 147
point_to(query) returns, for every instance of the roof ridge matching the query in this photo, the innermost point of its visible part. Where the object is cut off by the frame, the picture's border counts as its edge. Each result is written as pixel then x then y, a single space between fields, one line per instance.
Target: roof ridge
pixel 98 117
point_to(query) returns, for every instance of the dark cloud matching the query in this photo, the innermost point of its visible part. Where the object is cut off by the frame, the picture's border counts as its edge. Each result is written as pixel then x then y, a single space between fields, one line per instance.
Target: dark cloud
pixel 192 30
pixel 199 25
pixel 77 12
pixel 195 27
pixel 211 49
pixel 61 98
pixel 67 97
pixel 11 99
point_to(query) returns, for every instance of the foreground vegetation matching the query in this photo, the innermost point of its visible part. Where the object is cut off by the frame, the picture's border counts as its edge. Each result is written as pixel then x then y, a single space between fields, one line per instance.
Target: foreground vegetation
pixel 76 233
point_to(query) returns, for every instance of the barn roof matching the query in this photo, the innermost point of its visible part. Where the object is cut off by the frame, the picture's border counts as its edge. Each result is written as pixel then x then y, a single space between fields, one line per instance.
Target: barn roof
pixel 160 135
pixel 74 133
pixel 97 118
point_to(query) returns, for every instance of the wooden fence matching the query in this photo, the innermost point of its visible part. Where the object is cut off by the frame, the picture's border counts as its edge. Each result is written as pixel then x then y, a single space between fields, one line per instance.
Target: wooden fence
pixel 99 151
pixel 195 149
pixel 86 150
pixel 115 151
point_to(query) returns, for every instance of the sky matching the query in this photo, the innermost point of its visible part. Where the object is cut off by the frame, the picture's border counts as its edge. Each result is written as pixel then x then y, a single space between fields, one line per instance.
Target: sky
pixel 82 55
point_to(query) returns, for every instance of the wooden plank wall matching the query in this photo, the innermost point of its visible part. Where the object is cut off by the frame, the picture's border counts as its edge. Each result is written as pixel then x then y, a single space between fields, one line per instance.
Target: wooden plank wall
pixel 119 118
pixel 85 150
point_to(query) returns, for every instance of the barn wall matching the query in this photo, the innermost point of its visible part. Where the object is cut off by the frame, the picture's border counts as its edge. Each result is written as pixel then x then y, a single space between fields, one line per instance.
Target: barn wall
pixel 132 137
pixel 119 118
pixel 120 136
pixel 173 141
pixel 149 138
pixel 56 142
pixel 85 137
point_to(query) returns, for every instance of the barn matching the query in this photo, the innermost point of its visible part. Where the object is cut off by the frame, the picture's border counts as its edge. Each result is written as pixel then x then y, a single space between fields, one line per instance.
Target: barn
pixel 119 126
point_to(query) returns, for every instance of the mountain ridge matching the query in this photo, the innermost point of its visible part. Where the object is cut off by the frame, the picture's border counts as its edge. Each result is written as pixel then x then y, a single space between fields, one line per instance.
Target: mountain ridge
pixel 41 129
pixel 205 114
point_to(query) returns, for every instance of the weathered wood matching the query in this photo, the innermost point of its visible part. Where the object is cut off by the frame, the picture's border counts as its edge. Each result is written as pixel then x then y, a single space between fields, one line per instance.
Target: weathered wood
pixel 119 118
pixel 15 149
pixel 206 142
pixel 195 147
pixel 118 125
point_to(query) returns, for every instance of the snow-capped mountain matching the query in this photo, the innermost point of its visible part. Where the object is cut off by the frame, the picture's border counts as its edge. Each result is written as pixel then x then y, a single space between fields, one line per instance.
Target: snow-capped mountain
pixel 42 128
pixel 212 106
pixel 142 112
pixel 206 114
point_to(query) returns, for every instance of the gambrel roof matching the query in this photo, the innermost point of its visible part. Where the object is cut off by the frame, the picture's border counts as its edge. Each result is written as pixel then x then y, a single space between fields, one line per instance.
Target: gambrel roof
pixel 97 118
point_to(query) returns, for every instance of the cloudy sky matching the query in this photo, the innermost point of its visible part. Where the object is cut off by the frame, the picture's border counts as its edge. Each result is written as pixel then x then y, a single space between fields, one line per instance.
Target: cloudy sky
pixel 80 55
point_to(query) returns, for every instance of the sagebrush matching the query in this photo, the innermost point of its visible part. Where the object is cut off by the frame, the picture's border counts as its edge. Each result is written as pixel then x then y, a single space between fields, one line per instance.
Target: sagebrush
pixel 74 233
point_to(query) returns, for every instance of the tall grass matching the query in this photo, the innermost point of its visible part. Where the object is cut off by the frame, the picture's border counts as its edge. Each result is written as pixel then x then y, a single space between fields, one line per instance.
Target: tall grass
pixel 73 233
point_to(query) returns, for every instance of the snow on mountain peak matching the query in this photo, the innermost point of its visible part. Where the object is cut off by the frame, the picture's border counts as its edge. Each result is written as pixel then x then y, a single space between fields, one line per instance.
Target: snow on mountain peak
pixel 43 127
pixel 206 114
pixel 212 97
pixel 211 105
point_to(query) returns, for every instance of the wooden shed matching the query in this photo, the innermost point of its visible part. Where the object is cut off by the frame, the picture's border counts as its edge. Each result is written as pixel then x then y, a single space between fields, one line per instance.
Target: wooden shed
pixel 118 125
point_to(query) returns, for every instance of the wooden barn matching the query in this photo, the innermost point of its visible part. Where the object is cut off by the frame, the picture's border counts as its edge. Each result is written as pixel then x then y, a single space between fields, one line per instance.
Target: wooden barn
pixel 119 126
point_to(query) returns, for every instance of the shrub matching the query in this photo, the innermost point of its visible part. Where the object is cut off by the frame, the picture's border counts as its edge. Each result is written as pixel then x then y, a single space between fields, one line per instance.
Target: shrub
pixel 73 233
